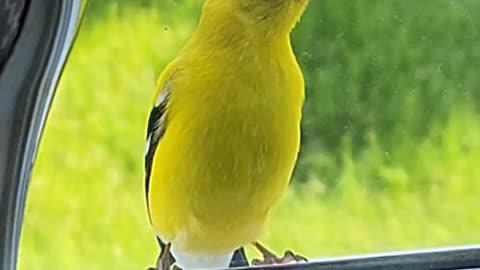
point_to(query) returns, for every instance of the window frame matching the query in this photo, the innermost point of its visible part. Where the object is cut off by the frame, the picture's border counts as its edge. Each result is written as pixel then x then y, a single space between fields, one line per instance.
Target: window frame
pixel 28 82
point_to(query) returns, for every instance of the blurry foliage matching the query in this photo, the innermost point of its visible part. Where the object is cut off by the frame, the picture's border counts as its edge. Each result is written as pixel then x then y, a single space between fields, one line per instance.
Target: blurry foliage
pixel 386 69
pixel 171 10
pixel 391 68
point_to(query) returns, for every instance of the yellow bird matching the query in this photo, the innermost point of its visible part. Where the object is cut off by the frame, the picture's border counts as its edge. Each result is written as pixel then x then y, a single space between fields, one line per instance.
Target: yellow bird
pixel 224 133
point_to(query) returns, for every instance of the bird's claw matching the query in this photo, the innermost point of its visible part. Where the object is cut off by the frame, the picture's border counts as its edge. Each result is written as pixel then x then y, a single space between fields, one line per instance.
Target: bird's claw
pixel 175 267
pixel 288 258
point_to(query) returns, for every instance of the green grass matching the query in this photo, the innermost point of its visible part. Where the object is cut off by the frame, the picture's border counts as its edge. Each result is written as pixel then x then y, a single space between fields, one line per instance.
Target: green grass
pixel 86 202
pixel 388 68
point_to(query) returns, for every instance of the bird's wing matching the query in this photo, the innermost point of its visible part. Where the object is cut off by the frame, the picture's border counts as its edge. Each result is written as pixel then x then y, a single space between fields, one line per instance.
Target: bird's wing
pixel 155 130
pixel 156 127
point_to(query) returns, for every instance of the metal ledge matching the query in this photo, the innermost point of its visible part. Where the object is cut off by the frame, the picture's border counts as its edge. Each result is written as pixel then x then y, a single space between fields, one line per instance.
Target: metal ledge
pixel 466 257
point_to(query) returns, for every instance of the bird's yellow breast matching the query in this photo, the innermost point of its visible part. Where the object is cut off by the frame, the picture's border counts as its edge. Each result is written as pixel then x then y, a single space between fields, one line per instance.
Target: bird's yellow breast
pixel 231 142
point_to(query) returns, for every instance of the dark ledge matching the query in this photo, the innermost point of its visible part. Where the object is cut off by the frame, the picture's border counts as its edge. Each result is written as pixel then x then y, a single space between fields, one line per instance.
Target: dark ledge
pixel 467 257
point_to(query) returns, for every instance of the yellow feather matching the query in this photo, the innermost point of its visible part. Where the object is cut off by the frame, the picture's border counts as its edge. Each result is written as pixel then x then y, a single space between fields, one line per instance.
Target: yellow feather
pixel 232 128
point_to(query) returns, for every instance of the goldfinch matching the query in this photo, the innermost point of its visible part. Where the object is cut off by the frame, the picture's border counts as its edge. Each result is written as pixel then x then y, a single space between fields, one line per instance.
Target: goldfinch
pixel 224 134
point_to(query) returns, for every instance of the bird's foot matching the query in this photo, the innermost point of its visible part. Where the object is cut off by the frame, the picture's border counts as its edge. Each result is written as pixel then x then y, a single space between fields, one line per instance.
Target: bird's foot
pixel 288 258
pixel 176 267
pixel 165 265
pixel 165 261
pixel 271 259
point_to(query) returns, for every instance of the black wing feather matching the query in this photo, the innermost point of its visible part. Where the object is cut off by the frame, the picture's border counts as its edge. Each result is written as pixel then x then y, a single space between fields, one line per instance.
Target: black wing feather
pixel 155 130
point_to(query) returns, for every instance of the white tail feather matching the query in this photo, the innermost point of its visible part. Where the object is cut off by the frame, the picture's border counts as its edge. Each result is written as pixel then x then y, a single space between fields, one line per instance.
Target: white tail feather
pixel 189 261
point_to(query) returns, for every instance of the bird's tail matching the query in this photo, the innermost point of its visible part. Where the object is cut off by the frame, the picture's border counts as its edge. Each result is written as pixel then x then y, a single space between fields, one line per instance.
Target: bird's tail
pixel 239 258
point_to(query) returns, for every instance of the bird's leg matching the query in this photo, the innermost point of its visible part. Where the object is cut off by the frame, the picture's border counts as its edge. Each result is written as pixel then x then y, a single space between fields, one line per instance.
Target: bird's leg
pixel 165 260
pixel 270 258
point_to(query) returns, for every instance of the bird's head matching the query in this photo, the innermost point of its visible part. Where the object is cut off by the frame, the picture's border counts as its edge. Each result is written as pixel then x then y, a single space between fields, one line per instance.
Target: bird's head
pixel 263 15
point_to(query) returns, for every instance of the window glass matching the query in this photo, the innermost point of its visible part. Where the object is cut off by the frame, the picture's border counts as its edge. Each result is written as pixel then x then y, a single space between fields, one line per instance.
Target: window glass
pixel 390 133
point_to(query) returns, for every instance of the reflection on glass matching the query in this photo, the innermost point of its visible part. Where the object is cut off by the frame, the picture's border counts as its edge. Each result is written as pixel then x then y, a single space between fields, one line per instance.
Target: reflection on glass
pixel 391 133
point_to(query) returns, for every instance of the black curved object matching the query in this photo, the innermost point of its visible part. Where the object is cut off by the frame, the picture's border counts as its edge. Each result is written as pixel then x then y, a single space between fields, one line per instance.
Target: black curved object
pixel 37 44
pixel 11 19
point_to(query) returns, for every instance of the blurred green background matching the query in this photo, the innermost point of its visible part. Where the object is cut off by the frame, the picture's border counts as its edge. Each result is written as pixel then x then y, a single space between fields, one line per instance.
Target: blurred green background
pixel 391 133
